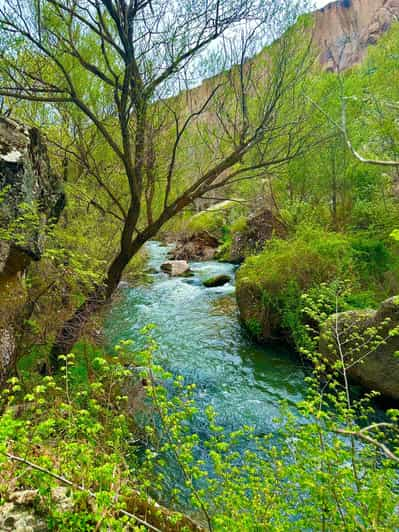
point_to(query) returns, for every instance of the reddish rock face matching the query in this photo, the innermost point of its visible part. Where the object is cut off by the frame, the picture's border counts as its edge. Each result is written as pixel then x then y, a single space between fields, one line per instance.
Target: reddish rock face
pixel 345 28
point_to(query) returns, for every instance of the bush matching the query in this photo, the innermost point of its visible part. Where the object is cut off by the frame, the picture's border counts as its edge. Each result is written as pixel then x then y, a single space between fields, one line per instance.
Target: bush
pixel 77 429
pixel 211 221
pixel 309 258
pixel 372 257
pixel 309 475
pixel 269 285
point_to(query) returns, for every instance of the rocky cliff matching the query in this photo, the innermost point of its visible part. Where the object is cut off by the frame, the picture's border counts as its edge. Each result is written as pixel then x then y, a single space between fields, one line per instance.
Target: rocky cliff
pixel 30 196
pixel 341 32
pixel 344 29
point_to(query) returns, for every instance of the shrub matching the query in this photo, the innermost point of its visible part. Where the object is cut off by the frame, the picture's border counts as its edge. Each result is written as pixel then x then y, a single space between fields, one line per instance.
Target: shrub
pixel 211 221
pixel 284 271
pixel 308 475
pixel 309 258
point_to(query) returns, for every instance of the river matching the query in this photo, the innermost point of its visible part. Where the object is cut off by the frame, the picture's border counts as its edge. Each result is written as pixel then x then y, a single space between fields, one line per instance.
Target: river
pixel 200 338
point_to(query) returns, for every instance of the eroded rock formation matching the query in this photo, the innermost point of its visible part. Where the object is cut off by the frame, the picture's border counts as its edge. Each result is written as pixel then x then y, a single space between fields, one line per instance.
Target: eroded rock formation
pixel 344 29
pixel 30 196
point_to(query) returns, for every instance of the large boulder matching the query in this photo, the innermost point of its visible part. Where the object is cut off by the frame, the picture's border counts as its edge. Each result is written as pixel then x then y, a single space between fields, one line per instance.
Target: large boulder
pixel 31 197
pixel 175 268
pixel 367 342
pixel 198 246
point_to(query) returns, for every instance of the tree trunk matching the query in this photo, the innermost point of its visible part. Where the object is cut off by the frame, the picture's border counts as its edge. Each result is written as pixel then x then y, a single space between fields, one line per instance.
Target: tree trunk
pixel 72 328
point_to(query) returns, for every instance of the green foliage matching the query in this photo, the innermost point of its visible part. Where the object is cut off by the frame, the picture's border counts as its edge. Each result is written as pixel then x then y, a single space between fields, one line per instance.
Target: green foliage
pixel 237 225
pixel 310 475
pixel 372 257
pixel 311 257
pixel 211 221
pixel 315 262
pixel 395 234
pixel 254 327
pixel 22 229
pixel 81 420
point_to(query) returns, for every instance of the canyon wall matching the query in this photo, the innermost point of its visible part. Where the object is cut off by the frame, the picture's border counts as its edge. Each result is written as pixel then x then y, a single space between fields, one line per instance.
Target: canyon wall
pixel 344 29
pixel 31 197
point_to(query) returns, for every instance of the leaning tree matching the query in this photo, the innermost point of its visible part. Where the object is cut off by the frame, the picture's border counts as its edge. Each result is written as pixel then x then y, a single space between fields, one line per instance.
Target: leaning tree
pixel 127 72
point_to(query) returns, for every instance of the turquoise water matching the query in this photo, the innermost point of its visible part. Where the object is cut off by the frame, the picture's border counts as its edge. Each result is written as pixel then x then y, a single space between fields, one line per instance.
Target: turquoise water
pixel 200 338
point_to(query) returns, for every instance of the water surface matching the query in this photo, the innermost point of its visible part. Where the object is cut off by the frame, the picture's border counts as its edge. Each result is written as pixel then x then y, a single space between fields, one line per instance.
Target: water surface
pixel 200 338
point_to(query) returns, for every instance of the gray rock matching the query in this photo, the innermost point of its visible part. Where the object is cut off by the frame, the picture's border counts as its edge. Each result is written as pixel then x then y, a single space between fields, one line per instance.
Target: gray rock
pixel 370 362
pixel 175 268
pixel 26 182
pixel 20 518
pixel 19 513
pixel 61 498
pixel 24 497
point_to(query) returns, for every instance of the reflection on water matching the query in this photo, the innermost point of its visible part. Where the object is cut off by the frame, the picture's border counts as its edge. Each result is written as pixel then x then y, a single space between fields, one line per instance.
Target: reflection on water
pixel 200 337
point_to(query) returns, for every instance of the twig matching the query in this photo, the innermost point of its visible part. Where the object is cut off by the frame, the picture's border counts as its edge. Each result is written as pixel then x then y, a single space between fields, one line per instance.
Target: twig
pixel 361 435
pixel 343 129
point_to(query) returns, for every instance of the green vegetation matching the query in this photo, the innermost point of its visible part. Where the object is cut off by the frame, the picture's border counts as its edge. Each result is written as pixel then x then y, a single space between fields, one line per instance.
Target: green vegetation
pixel 310 260
pixel 77 430
pixel 341 214
pixel 116 429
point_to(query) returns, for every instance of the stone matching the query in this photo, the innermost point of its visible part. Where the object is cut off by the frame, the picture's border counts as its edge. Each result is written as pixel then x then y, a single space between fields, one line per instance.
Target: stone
pixel 379 370
pixel 63 501
pixel 175 268
pixel 23 497
pixel 199 246
pixel 20 518
pixel 26 180
pixel 260 227
pixel 151 271
pixel 262 324
pixel 218 280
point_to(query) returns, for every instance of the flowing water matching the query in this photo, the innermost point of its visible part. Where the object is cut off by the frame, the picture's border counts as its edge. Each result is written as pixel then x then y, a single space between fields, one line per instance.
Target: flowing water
pixel 200 338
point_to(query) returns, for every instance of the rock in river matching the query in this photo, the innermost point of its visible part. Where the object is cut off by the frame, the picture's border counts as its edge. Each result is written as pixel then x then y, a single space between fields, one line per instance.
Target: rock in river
pixel 197 246
pixel 176 267
pixel 218 280
pixel 371 362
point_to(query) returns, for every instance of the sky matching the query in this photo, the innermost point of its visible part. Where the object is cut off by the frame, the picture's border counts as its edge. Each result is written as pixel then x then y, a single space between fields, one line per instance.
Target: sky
pixel 321 3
